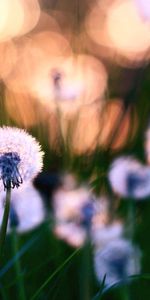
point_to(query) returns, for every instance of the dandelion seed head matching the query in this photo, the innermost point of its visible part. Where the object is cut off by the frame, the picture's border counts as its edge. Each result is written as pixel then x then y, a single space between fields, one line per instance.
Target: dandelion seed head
pixel 129 178
pixel 117 260
pixel 69 203
pixel 73 213
pixel 9 170
pixel 87 213
pixel 21 158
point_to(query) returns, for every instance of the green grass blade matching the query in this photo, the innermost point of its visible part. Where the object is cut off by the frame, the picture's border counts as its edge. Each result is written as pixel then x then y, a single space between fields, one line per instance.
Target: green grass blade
pixel 53 274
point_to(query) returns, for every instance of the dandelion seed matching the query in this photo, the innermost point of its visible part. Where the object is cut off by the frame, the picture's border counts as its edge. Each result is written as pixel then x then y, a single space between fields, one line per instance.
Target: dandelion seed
pixel 20 157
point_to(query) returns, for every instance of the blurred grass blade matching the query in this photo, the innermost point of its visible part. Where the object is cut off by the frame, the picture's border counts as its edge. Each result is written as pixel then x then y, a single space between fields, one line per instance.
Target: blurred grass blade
pixel 3 293
pixel 20 282
pixel 29 273
pixel 53 274
pixel 122 283
pixel 21 252
pixel 99 294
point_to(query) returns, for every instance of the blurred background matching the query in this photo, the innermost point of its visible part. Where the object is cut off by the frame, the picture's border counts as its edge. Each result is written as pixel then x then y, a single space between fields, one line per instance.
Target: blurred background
pixel 75 74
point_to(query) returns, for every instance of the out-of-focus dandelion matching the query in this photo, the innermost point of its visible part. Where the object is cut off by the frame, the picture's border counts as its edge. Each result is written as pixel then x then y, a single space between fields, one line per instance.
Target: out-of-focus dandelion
pixel 79 102
pixel 38 55
pixel 72 84
pixel 73 212
pixel 114 256
pixel 71 233
pixel 71 209
pixel 26 209
pixel 129 178
pixel 117 260
pixel 56 78
pixel 78 213
pixel 63 85
pixel 20 161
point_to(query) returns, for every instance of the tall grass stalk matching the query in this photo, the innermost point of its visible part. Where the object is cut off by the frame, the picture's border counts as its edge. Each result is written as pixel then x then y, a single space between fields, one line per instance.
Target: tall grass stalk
pixel 17 266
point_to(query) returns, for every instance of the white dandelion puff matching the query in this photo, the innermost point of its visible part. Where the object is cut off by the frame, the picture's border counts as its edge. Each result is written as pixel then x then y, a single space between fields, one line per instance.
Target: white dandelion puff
pixel 68 203
pixel 26 209
pixel 73 212
pixel 117 260
pixel 129 178
pixel 21 158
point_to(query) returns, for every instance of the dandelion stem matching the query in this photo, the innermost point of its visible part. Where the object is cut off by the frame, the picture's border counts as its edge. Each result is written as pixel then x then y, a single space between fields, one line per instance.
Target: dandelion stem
pixel 3 293
pixel 4 222
pixel 86 284
pixel 17 265
pixel 125 292
pixel 131 219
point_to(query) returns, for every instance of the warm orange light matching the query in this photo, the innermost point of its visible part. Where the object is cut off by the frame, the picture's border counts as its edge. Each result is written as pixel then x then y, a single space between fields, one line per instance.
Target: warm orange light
pixel 63 83
pixel 119 32
pixel 4 9
pixel 78 131
pixel 54 131
pixel 127 31
pixel 36 56
pixel 86 129
pixel 8 58
pixel 101 124
pixel 17 17
pixel 117 126
pixel 32 12
pixel 48 72
pixel 24 109
pixel 47 22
